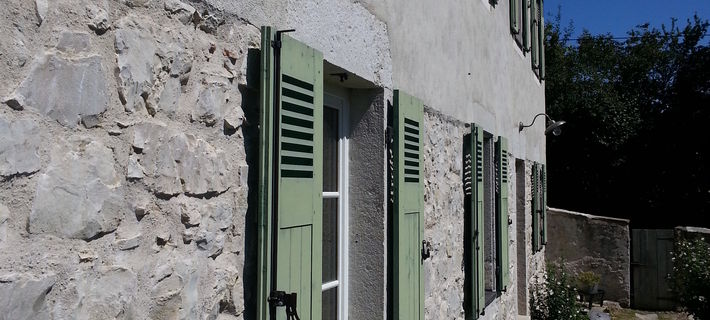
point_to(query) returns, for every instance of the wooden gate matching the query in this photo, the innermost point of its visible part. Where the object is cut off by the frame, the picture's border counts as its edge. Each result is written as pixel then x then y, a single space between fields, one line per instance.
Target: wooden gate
pixel 651 265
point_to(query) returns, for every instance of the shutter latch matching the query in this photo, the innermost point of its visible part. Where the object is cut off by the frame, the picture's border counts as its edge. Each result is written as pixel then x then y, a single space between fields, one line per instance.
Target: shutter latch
pixel 426 250
pixel 283 299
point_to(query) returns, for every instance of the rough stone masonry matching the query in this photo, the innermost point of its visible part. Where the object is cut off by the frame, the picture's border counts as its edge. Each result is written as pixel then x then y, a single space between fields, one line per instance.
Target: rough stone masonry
pixel 123 160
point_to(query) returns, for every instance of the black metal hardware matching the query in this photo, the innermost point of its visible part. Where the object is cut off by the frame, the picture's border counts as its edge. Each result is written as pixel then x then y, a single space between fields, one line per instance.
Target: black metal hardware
pixel 283 299
pixel 426 250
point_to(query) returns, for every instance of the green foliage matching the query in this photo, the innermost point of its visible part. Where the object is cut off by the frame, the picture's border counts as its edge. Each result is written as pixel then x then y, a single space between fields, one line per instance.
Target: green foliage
pixel 554 297
pixel 691 276
pixel 587 280
pixel 637 110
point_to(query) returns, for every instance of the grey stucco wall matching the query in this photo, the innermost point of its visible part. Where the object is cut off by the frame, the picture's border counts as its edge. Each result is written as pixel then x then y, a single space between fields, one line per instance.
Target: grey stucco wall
pixel 367 205
pixel 592 243
pixel 461 59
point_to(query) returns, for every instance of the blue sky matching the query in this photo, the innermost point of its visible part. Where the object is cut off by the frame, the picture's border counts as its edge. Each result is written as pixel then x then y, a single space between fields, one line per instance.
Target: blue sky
pixel 618 17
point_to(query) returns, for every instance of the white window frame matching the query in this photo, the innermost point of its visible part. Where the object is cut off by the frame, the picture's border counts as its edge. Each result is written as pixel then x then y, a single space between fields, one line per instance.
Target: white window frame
pixel 340 103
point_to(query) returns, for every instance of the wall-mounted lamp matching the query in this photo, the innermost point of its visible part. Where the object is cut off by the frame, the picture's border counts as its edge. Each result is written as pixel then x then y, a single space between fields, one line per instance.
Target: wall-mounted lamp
pixel 552 125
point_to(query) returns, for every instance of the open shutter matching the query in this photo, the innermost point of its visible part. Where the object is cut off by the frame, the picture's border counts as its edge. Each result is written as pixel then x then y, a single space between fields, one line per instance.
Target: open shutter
pixel 290 174
pixel 475 297
pixel 502 213
pixel 408 208
pixel 534 22
pixel 544 205
pixel 536 207
pixel 514 16
pixel 541 39
pixel 525 24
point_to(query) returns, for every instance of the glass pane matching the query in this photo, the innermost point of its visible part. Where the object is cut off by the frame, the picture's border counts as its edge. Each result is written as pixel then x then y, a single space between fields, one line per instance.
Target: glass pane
pixel 330 304
pixel 330 149
pixel 330 239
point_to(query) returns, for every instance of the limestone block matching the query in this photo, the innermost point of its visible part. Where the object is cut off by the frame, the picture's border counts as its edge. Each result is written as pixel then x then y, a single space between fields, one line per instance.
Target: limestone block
pixel 74 42
pixel 63 88
pixel 136 48
pixel 134 169
pixel 22 296
pixel 212 104
pixel 98 19
pixel 180 10
pixel 19 145
pixel 176 162
pixel 107 295
pixel 128 236
pixel 42 6
pixel 166 297
pixel 136 3
pixel 4 216
pixel 79 195
pixel 205 221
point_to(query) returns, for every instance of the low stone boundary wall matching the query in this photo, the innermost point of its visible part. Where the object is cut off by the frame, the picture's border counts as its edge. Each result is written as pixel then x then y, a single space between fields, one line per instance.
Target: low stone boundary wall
pixel 599 244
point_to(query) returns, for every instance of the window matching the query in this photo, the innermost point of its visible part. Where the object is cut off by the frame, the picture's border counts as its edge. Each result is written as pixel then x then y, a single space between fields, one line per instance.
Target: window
pixel 335 218
pixel 539 206
pixel 489 218
pixel 486 220
pixel 519 28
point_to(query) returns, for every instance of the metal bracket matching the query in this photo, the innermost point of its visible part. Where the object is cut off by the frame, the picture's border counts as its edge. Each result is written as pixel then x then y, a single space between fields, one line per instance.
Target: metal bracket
pixel 283 299
pixel 426 250
pixel 277 42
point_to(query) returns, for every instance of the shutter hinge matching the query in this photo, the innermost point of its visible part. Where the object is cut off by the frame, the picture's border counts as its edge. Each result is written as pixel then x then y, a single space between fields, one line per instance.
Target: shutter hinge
pixel 276 44
pixel 283 299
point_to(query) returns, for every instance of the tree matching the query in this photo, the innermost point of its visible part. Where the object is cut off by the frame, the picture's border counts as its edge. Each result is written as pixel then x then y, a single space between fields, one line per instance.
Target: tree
pixel 635 144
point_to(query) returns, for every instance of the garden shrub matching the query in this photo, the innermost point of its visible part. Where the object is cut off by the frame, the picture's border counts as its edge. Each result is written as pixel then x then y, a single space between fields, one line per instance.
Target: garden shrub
pixel 691 276
pixel 554 297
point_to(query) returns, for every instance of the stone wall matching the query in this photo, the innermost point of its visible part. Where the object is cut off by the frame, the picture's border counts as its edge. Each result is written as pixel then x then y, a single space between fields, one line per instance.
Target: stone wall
pixel 443 225
pixel 123 165
pixel 128 144
pixel 592 243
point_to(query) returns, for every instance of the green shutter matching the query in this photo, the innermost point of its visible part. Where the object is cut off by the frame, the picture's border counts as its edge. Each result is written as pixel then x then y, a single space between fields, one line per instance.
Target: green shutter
pixel 514 23
pixel 534 34
pixel 525 26
pixel 536 207
pixel 544 205
pixel 408 208
pixel 541 39
pixel 475 299
pixel 502 214
pixel 296 160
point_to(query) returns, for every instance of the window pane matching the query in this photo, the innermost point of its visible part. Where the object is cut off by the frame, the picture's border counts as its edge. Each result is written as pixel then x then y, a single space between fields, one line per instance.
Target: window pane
pixel 330 149
pixel 330 304
pixel 330 239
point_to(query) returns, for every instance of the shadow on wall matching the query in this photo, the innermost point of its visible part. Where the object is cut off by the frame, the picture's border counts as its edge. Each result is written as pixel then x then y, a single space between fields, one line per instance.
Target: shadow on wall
pixel 250 105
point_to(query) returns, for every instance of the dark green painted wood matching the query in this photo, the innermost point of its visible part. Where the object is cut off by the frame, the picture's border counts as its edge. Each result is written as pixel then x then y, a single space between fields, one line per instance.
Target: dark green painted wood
pixel 408 216
pixel 651 264
pixel 502 236
pixel 525 24
pixel 541 40
pixel 544 205
pixel 534 34
pixel 514 16
pixel 265 172
pixel 475 281
pixel 536 206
